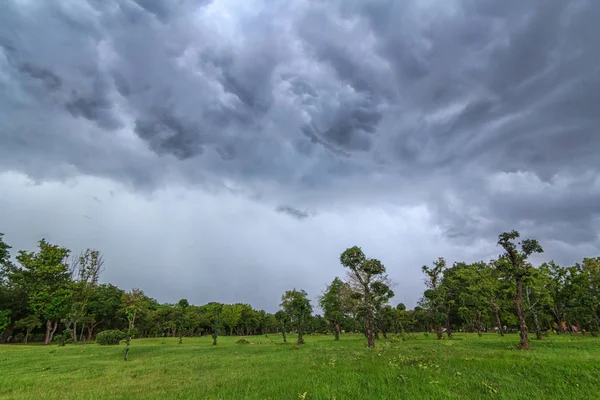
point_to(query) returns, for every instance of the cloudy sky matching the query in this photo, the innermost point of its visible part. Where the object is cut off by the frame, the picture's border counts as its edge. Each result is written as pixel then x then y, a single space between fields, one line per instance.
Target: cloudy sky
pixel 228 150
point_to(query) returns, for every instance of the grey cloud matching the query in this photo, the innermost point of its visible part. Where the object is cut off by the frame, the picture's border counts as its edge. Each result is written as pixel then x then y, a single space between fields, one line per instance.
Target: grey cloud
pixel 316 104
pixel 293 212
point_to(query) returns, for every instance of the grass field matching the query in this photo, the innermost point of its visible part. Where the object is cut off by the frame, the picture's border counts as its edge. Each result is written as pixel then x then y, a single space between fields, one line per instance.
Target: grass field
pixel 466 367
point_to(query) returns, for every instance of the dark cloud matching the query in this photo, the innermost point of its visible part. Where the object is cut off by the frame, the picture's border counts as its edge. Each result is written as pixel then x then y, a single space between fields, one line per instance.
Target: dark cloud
pixel 293 212
pixel 318 103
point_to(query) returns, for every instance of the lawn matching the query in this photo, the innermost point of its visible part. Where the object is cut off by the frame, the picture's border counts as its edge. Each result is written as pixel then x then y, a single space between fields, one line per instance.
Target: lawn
pixel 466 367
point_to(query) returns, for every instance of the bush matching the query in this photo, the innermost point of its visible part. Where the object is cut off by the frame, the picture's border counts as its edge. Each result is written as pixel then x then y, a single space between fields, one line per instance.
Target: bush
pixel 242 341
pixel 110 337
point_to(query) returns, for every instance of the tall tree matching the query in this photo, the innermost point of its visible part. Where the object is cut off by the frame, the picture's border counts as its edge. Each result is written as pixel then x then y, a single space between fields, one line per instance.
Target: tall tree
pixel 85 272
pixel 5 262
pixel 514 262
pixel 537 300
pixel 331 304
pixel 434 296
pixel 297 306
pixel 182 307
pixel 135 303
pixel 230 316
pixel 560 291
pixel 382 293
pixel 283 321
pixel 363 272
pixel 103 309
pixel 586 279
pixel 44 277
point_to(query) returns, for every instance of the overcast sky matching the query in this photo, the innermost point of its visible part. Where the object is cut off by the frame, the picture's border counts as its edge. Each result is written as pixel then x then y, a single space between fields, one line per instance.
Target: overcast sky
pixel 228 150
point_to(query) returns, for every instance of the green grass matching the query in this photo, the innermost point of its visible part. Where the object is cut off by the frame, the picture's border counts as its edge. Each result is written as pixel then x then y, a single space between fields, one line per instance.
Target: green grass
pixel 466 367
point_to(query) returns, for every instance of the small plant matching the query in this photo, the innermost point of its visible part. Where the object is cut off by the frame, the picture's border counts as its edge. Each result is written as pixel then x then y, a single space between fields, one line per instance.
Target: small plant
pixel 110 337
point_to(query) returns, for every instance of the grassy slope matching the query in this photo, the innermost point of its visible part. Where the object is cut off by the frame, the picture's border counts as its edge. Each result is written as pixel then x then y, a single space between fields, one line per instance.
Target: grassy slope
pixel 466 367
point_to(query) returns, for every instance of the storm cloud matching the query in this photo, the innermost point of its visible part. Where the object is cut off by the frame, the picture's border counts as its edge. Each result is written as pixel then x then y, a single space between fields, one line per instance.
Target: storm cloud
pixel 417 129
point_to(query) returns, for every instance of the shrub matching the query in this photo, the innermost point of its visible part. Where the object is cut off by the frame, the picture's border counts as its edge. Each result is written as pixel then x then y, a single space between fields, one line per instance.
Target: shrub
pixel 110 337
pixel 242 341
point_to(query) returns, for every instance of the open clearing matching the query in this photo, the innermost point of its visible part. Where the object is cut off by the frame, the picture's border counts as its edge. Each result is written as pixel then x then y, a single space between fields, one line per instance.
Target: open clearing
pixel 468 366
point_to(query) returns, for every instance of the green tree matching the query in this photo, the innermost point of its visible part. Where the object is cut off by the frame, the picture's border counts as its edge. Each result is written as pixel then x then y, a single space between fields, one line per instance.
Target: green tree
pixel 85 272
pixel 103 309
pixel 297 306
pixel 331 304
pixel 381 294
pixel 283 321
pixel 230 316
pixel 514 262
pixel 135 304
pixel 560 291
pixel 586 285
pixel 28 323
pixel 537 299
pixel 5 263
pixel 434 296
pixel 363 272
pixel 44 277
pixel 182 307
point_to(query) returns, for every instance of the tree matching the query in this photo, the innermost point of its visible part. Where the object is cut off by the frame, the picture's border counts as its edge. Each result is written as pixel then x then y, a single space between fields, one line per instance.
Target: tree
pixel 331 303
pixel 297 306
pixel 44 277
pixel 537 299
pixel 135 303
pixel 5 263
pixel 381 296
pixel 7 295
pixel 560 291
pixel 103 309
pixel 28 323
pixel 283 321
pixel 586 284
pixel 363 272
pixel 514 262
pixel 182 307
pixel 433 298
pixel 230 316
pixel 85 271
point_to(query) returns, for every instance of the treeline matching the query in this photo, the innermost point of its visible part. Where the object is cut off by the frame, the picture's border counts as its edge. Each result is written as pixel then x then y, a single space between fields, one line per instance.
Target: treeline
pixel 50 295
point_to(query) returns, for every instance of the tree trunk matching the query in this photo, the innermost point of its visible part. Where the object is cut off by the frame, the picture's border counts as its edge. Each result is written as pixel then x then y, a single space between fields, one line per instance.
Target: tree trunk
pixel 448 327
pixel 90 331
pixel 478 322
pixel 538 329
pixel 47 338
pixel 127 346
pixel 369 324
pixel 558 319
pixel 300 339
pixel 440 332
pixel 524 340
pixel 498 320
pixel 26 338
pixel 6 334
pixel 283 334
pixel 81 335
pixel 53 329
pixel 74 333
pixel 337 331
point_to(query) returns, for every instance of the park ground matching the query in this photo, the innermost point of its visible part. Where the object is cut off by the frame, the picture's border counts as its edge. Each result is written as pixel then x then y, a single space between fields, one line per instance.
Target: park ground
pixel 465 367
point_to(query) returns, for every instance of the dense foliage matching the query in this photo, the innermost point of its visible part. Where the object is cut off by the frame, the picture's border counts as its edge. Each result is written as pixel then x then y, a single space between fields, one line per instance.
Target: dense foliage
pixel 48 294
pixel 110 337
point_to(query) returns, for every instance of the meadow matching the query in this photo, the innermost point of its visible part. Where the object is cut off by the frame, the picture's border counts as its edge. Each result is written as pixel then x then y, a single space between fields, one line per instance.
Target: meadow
pixel 467 366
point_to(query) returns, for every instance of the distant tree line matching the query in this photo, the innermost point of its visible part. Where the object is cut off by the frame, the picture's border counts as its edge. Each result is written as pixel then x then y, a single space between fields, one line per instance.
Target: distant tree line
pixel 50 295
